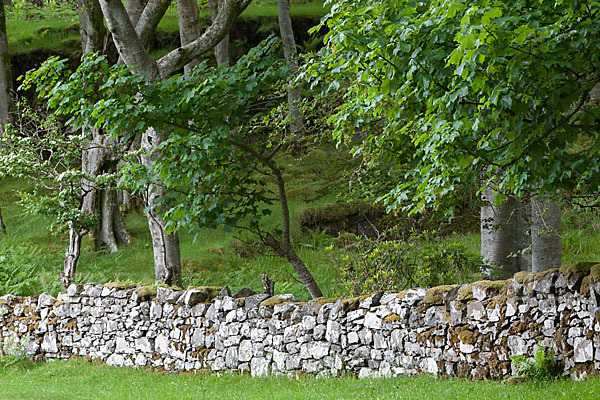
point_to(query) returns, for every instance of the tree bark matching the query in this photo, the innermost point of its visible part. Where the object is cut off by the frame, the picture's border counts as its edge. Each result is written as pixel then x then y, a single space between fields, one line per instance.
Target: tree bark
pixel 6 101
pixel 523 234
pixel 167 258
pixel 222 48
pixel 91 26
pixel 287 250
pixel 134 9
pixel 296 124
pixel 2 226
pixel 189 27
pixel 546 229
pixel 498 234
pixel 71 257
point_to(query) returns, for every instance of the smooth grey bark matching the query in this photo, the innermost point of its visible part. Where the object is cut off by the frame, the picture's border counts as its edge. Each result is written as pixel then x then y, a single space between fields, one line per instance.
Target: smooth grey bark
pixel 523 234
pixel 167 258
pixel 72 256
pixel 498 244
pixel 98 159
pixel 134 9
pixel 149 19
pixel 129 44
pixel 546 252
pixel 222 48
pixel 296 124
pixel 91 26
pixel 189 26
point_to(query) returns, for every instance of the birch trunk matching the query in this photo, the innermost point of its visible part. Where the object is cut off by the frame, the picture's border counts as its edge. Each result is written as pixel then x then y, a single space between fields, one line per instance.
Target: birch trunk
pixel 546 229
pixel 222 48
pixel 296 124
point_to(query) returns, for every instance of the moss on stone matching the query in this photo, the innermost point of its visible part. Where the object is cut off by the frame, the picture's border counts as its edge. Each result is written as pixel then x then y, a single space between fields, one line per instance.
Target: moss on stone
pixel 145 293
pixel 207 293
pixel 402 294
pixel 324 300
pixel 272 301
pixel 490 286
pixel 465 335
pixel 499 300
pixel 435 295
pixel 577 269
pixel 120 285
pixel 391 318
pixel 523 277
pixel 71 325
pixel 465 293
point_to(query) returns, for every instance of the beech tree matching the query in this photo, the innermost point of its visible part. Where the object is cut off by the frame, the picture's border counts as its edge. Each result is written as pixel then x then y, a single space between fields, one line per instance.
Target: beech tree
pixel 216 166
pixel 131 40
pixel 491 93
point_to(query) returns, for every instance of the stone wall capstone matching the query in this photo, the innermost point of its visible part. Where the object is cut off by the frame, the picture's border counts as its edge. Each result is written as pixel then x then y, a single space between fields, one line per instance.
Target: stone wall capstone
pixel 465 331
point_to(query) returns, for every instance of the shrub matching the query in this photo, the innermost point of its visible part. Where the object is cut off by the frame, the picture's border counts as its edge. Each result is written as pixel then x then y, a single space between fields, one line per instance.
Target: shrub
pixel 543 367
pixel 391 263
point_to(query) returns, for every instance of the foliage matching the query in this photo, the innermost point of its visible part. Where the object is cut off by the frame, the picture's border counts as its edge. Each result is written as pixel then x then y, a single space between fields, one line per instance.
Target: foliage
pixel 395 263
pixel 450 92
pixel 37 149
pixel 211 177
pixel 53 9
pixel 543 367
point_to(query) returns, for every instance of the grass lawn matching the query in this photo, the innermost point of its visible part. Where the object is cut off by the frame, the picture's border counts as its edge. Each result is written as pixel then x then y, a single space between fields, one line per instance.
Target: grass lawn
pixel 82 380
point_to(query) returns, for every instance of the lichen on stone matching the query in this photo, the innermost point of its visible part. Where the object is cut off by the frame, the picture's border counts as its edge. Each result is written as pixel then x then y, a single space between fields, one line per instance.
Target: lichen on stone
pixel 120 285
pixel 435 295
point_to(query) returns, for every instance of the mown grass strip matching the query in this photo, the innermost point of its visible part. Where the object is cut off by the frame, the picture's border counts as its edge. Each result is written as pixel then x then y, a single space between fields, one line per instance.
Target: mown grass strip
pixel 82 380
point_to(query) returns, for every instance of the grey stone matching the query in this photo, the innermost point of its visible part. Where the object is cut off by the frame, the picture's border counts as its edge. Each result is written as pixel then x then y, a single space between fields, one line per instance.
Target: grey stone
pixel 584 350
pixel 259 366
pixel 49 343
pixel 254 301
pixel 333 331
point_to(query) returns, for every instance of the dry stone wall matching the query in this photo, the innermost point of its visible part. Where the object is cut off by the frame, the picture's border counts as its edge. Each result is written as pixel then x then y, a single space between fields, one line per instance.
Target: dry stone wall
pixel 467 331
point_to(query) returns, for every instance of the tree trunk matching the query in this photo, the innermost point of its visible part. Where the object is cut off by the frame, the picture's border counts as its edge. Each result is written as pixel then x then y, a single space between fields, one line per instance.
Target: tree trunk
pixel 523 234
pixel 71 257
pixel 189 27
pixel 2 226
pixel 91 26
pixel 222 48
pixel 296 124
pixel 130 43
pixel 167 258
pixel 134 9
pixel 545 234
pixel 286 249
pixel 498 234
pixel 6 101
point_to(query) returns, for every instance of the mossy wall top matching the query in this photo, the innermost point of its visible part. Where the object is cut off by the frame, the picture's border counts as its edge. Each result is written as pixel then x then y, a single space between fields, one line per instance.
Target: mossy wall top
pixel 467 331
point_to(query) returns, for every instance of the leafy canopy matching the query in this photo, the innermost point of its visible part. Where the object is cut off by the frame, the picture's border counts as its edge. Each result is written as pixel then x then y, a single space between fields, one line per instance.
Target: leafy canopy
pixel 210 161
pixel 454 91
